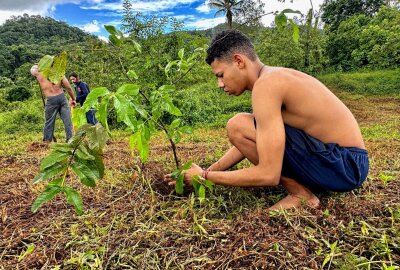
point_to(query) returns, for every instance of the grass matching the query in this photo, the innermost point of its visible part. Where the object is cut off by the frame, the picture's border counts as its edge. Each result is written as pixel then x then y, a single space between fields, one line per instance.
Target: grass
pixel 132 220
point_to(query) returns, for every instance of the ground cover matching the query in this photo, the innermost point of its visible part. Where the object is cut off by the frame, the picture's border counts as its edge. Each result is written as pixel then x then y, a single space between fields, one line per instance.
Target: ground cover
pixel 132 220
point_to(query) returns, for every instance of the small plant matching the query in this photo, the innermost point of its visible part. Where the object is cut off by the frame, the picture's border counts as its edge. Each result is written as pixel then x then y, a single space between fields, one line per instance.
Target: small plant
pixel 385 178
pixel 81 155
pixel 200 185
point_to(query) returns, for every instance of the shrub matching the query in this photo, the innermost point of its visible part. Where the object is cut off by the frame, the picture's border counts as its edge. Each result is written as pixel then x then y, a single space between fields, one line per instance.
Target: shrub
pixel 17 93
pixel 5 82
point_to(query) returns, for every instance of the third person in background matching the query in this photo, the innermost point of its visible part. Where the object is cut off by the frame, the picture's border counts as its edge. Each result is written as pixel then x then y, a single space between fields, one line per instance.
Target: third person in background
pixel 82 90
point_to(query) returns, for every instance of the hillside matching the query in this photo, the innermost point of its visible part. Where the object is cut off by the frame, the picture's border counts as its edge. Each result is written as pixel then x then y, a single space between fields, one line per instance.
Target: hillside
pixel 26 38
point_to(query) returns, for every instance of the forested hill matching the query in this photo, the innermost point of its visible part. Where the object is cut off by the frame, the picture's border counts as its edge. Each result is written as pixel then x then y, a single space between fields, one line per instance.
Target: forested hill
pixel 26 38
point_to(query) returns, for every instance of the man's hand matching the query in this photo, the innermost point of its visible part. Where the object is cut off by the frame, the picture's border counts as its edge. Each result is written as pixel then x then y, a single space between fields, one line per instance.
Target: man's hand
pixel 188 175
pixel 72 102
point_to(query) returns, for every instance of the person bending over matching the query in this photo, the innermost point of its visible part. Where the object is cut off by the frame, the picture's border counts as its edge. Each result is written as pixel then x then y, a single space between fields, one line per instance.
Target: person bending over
pixel 300 135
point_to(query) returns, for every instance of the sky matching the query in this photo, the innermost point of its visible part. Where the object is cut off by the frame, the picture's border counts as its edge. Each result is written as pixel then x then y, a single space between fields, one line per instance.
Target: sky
pixel 91 15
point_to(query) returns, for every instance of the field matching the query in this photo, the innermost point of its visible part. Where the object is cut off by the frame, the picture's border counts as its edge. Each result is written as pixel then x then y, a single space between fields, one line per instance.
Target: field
pixel 132 220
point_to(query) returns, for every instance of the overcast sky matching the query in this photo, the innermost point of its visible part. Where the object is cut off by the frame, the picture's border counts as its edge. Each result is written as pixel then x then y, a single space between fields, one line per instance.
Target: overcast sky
pixel 91 15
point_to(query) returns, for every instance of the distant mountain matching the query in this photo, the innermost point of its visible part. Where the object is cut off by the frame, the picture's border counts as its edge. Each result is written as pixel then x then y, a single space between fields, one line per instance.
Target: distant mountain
pixel 36 29
pixel 24 39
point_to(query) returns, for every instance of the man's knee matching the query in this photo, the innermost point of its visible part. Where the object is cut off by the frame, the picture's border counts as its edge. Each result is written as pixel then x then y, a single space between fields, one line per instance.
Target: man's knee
pixel 235 126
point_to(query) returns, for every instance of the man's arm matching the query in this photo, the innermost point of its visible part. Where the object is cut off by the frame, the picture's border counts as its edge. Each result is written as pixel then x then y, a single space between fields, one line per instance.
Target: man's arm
pixel 267 99
pixel 228 160
pixel 71 93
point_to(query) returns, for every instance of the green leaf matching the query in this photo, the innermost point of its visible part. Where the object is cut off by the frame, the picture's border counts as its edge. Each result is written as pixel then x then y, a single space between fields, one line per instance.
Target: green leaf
pixel 129 89
pixel 210 185
pixel 196 182
pixel 166 88
pixel 138 47
pixel 181 53
pixel 44 197
pixel 83 153
pixel 45 65
pixel 175 123
pixel 53 158
pixel 93 98
pixel 132 74
pixel 124 110
pixel 74 198
pixel 295 31
pixel 57 71
pixel 50 172
pixel 179 184
pixel 186 130
pixel 56 182
pixel 170 107
pixel 175 174
pixel 280 21
pixel 169 65
pixel 78 117
pixel 111 29
pixel 97 137
pixel 102 113
pixel 202 193
pixel 114 40
pixel 85 174
pixel 30 248
pixel 139 142
pixel 187 166
pixel 62 147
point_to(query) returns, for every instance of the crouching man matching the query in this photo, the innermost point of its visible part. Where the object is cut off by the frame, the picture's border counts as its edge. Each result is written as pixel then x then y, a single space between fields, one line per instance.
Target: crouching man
pixel 300 135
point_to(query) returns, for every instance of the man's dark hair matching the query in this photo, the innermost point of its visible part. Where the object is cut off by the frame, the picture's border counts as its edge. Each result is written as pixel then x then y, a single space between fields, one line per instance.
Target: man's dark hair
pixel 73 74
pixel 227 43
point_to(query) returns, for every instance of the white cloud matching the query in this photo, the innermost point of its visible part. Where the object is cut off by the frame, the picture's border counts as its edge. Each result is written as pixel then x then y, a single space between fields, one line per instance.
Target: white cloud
pixel 201 24
pixel 92 27
pixel 10 8
pixel 103 38
pixel 204 8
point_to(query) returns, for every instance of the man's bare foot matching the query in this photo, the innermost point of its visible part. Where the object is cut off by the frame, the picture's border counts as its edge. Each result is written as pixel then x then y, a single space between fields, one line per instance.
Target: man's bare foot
pixel 296 201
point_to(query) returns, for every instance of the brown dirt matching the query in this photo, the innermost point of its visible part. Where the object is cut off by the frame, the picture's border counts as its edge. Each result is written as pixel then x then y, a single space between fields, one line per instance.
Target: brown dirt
pixel 133 220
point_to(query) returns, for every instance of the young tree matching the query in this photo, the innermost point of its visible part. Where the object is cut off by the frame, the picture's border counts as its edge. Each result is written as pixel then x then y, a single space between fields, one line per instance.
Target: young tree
pixel 336 11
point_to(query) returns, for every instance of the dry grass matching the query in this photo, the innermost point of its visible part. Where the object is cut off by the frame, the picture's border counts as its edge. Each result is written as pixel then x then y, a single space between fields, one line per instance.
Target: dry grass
pixel 133 221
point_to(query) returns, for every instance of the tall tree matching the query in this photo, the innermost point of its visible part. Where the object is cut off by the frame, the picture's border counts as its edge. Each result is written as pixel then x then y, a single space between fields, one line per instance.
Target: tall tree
pixel 336 11
pixel 248 12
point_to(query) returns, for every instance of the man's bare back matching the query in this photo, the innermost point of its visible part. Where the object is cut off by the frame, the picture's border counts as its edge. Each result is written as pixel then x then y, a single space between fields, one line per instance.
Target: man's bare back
pixel 50 89
pixel 310 106
pixel 299 135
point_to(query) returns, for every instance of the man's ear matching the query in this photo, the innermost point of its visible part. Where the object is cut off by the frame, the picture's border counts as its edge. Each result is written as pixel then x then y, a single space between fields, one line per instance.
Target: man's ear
pixel 239 60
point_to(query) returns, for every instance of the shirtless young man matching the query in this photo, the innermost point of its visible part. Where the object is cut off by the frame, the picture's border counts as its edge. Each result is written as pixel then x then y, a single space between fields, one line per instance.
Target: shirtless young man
pixel 56 102
pixel 300 135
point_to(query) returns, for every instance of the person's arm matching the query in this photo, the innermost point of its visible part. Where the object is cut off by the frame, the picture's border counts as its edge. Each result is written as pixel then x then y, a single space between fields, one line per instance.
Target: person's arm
pixel 71 93
pixel 232 157
pixel 267 99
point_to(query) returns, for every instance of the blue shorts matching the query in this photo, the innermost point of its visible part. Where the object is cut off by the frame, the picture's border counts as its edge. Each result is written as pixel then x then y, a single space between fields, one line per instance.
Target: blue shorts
pixel 323 166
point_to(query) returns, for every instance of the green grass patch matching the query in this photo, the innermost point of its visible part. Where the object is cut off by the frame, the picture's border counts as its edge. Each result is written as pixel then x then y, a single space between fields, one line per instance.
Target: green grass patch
pixel 380 82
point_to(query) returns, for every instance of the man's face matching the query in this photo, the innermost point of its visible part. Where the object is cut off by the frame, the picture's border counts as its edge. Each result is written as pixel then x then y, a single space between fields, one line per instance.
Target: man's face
pixel 73 79
pixel 228 76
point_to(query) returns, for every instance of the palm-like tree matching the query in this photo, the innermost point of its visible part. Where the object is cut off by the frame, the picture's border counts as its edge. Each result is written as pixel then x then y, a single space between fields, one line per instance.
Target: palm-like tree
pixel 229 7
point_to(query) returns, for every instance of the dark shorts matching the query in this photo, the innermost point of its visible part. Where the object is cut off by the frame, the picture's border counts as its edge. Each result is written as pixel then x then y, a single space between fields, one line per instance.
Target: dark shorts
pixel 323 166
